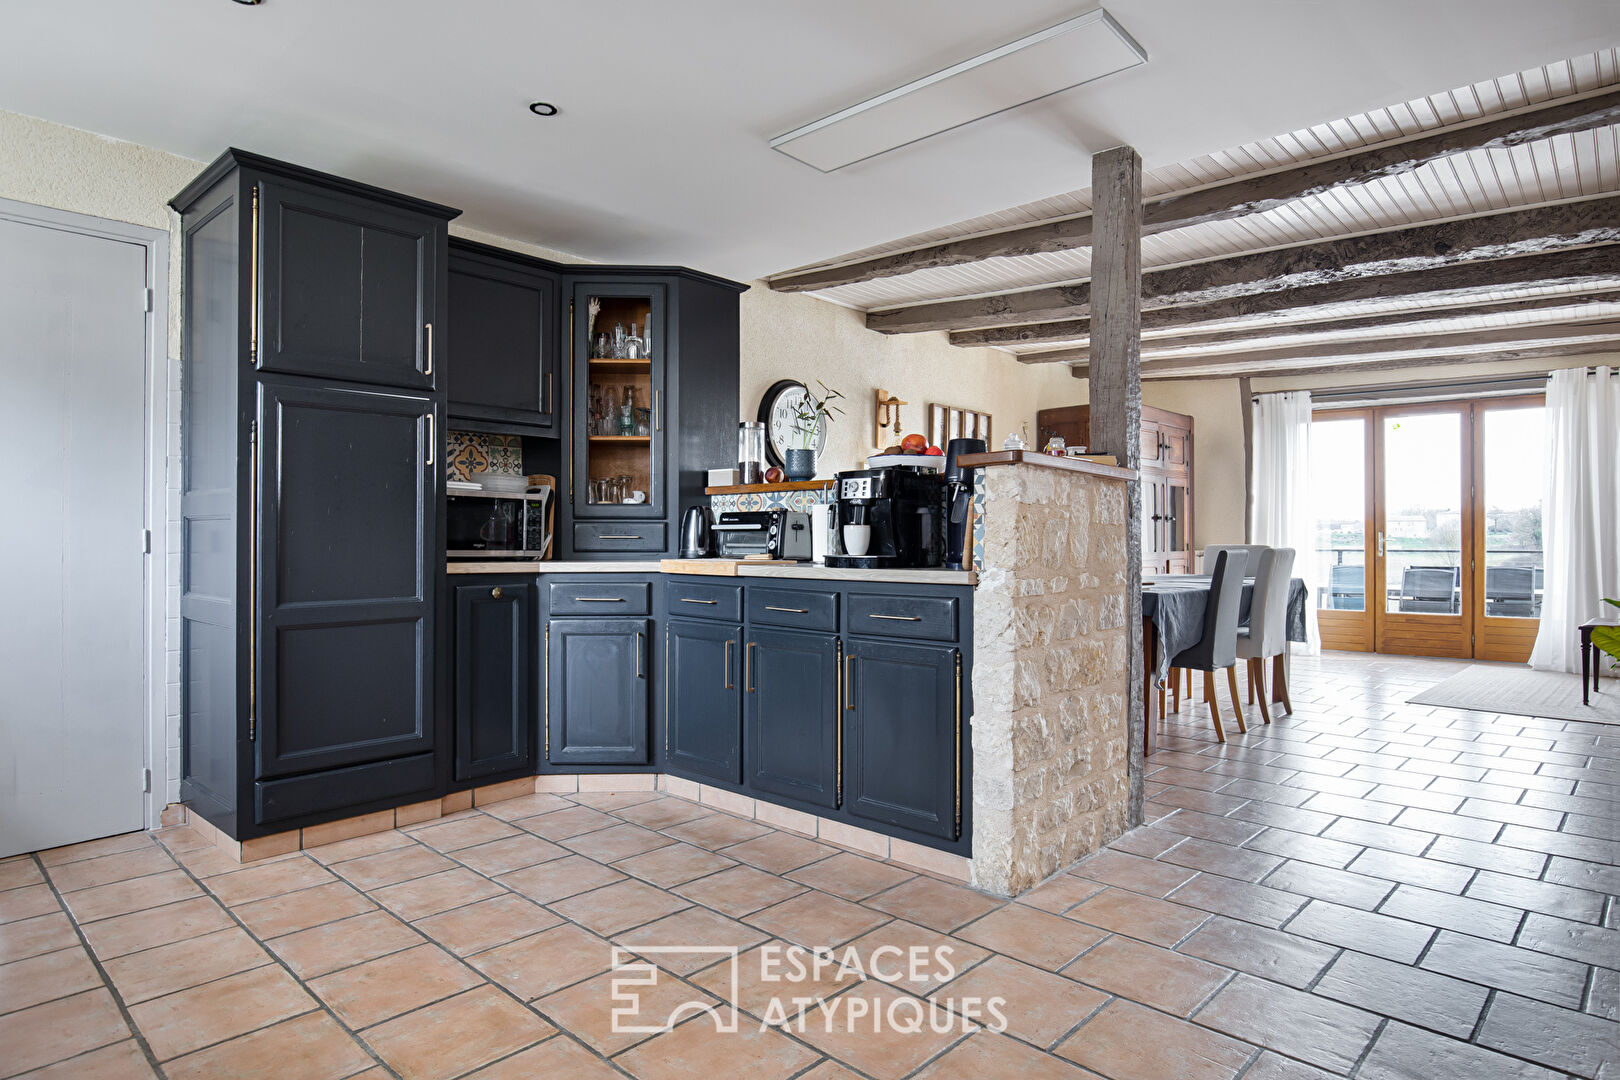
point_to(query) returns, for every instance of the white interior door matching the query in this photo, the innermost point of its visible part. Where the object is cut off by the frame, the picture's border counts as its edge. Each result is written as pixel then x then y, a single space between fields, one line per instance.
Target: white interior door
pixel 72 569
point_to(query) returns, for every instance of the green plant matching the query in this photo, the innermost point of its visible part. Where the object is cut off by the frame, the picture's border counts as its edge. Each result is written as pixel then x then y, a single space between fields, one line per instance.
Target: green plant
pixel 1607 638
pixel 813 412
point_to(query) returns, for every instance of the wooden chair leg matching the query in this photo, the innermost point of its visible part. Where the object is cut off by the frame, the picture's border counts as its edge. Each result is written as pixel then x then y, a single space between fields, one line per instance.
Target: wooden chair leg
pixel 1280 677
pixel 1251 682
pixel 1257 681
pixel 1175 689
pixel 1161 703
pixel 1214 706
pixel 1231 682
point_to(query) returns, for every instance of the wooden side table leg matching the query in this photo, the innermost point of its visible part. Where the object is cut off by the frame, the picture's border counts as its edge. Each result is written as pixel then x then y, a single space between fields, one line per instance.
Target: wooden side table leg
pixel 1150 726
pixel 1586 661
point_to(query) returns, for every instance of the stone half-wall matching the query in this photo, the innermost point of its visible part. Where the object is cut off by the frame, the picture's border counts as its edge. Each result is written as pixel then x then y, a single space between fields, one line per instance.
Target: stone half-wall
pixel 1050 733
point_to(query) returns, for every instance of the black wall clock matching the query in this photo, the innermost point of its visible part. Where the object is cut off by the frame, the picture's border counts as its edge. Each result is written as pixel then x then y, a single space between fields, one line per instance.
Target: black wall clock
pixel 778 411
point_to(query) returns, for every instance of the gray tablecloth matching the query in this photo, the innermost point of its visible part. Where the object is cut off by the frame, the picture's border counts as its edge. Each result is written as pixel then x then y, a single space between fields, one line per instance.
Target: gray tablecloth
pixel 1176 603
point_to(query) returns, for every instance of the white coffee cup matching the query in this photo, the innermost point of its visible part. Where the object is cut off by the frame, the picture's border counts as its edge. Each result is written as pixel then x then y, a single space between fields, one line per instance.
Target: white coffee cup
pixel 857 538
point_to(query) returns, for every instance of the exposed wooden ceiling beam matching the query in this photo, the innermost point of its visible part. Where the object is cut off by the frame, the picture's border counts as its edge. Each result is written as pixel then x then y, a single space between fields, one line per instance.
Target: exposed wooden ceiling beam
pixel 1389 324
pixel 1515 342
pixel 1235 198
pixel 1531 352
pixel 1514 233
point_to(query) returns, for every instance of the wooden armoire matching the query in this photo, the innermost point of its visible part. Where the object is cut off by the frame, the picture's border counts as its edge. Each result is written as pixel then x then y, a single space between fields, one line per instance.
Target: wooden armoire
pixel 1167 454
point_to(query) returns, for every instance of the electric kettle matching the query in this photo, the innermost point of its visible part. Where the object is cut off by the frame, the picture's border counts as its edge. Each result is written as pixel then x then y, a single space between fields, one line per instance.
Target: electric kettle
pixel 697 533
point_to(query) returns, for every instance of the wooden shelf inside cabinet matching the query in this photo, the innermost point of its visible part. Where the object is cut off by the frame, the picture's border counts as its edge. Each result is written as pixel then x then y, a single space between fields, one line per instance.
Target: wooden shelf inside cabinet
pixel 620 438
pixel 608 367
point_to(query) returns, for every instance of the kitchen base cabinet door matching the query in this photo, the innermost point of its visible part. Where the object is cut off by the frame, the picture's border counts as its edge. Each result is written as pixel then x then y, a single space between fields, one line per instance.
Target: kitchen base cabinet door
pixel 702 713
pixel 902 736
pixel 791 711
pixel 598 687
pixel 495 678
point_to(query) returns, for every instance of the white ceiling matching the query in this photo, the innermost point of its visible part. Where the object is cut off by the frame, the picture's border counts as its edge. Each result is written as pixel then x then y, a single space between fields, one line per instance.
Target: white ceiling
pixel 660 152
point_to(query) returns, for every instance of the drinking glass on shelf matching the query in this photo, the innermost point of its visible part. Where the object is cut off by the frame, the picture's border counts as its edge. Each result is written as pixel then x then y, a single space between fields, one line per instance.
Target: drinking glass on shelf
pixel 623 489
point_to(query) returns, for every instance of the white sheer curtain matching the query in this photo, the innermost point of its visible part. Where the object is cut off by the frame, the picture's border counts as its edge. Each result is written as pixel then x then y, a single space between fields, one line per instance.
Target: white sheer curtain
pixel 1582 511
pixel 1282 515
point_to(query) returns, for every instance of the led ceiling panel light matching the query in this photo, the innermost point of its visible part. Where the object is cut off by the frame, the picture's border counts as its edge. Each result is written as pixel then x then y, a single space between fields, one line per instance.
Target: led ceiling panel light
pixel 1072 53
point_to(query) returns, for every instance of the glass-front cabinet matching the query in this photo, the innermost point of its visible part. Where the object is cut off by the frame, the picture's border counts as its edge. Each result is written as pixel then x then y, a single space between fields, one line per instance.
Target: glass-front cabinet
pixel 620 361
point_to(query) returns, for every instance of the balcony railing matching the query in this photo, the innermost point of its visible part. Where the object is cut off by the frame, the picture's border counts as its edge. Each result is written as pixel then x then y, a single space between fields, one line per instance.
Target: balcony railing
pixel 1435 585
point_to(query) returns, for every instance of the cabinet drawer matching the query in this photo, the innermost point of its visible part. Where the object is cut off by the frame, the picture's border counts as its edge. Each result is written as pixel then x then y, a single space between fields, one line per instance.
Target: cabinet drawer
pixel 600 598
pixel 618 536
pixel 336 789
pixel 807 609
pixel 894 615
pixel 703 600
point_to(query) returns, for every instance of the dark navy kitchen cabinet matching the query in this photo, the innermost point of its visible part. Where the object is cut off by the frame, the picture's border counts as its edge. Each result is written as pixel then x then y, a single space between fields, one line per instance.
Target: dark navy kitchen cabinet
pixel 902 735
pixel 703 711
pixel 496 669
pixel 791 708
pixel 598 690
pixel 503 341
pixel 349 285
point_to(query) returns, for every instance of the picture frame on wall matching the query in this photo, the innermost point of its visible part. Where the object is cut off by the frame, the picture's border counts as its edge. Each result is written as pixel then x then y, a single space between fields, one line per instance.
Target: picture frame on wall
pixel 947 422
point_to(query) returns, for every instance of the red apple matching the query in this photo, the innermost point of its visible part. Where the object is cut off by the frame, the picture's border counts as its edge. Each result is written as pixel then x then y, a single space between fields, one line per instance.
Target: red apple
pixel 934 451
pixel 913 444
pixel 774 475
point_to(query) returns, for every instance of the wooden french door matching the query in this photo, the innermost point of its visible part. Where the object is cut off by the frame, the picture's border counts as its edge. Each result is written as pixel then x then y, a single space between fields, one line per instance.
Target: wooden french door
pixel 1445 559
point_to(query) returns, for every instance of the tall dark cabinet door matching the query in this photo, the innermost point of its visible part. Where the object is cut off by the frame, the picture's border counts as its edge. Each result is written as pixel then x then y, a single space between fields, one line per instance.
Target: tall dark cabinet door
pixel 495 678
pixel 902 731
pixel 347 287
pixel 702 717
pixel 604 387
pixel 346 543
pixel 598 680
pixel 791 715
pixel 504 339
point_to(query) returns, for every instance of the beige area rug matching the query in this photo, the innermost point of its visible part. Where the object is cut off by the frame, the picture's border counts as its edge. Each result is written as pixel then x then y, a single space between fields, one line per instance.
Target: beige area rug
pixel 1519 691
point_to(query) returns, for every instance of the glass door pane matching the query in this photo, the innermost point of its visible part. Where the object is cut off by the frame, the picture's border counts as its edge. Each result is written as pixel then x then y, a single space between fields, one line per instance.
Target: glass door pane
pixel 1513 481
pixel 1422 522
pixel 618 447
pixel 1339 495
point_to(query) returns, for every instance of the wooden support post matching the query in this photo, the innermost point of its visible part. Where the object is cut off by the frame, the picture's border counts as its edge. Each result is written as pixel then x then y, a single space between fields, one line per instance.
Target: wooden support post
pixel 1116 392
pixel 1246 403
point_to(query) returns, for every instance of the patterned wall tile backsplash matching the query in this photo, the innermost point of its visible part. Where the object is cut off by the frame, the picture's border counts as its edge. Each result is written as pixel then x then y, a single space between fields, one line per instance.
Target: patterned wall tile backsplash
pixel 470 452
pixel 769 500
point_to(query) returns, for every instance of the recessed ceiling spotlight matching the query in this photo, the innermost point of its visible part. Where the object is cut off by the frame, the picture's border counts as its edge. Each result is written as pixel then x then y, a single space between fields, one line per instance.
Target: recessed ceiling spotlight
pixel 539 108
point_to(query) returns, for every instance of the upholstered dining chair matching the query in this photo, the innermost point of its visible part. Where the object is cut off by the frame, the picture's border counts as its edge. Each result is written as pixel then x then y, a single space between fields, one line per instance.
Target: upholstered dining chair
pixel 1217 649
pixel 1267 633
pixel 1250 553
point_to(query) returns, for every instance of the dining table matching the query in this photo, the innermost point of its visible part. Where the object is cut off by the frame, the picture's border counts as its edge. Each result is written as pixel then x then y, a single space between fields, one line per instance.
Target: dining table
pixel 1173 607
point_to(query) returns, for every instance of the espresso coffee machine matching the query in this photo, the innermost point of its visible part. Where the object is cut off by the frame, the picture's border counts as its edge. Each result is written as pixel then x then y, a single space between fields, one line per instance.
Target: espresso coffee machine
pixel 893 516
pixel 958 499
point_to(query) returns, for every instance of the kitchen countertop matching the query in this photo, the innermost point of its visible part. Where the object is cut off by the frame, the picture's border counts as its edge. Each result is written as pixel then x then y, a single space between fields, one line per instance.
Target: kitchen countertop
pixel 809 571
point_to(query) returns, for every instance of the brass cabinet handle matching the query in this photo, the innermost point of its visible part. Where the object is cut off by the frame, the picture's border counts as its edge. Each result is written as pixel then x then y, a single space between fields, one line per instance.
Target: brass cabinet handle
pixel 898 618
pixel 495 593
pixel 253 569
pixel 619 536
pixel 545 689
pixel 550 401
pixel 958 742
pixel 431 439
pixel 729 644
pixel 838 720
pixel 658 415
pixel 849 683
pixel 599 600
pixel 748 669
pixel 639 644
pixel 690 600
pixel 791 610
pixel 253 282
pixel 429 370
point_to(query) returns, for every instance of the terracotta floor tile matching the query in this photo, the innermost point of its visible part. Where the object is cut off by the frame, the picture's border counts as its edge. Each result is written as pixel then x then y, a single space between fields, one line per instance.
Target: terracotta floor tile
pixel 854 877
pixel 132 894
pixel 1408 1053
pixel 932 903
pixel 1223 859
pixel 1519 971
pixel 466 832
pixel 696 1051
pixel 1352 928
pixel 1326 883
pixel 1558 1038
pixel 458 1035
pixel 619 842
pixel 179 1023
pixel 1133 872
pixel 988 1055
pixel 95 849
pixel 1148 974
pixel 275 879
pixel 38 979
pixel 560 878
pixel 1128 1042
pixel 778 852
pixel 357 846
pixel 1419 997
pixel 60 1029
pixel 1061 893
pixel 1373 834
pixel 673 865
pixel 1035 937
pixel 1238 899
pixel 30 937
pixel 1459 913
pixel 574 821
pixel 561 1058
pixel 715 831
pixel 739 891
pixel 421 897
pixel 662 813
pixel 692 927
pixel 184 964
pixel 16 873
pixel 391 867
pixel 1222 830
pixel 512 853
pixel 766 981
pixel 1269 1066
pixel 1546 897
pixel 486 924
pixel 815 919
pixel 586 1010
pixel 26 903
pixel 1039 1007
pixel 156 926
pixel 291 912
pixel 120 1061
pixel 880 1031
pixel 1291 1022
pixel 1158 921
pixel 381 989
pixel 321 949
pixel 525 806
pixel 1271 954
pixel 1313 849
pixel 939 957
pixel 613 800
pixel 545 962
pixel 309 1047
pixel 619 907
pixel 1577 941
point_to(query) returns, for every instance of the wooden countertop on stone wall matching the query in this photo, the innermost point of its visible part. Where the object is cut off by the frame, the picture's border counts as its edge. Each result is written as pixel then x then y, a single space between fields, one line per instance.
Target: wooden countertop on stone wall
pixel 1045 461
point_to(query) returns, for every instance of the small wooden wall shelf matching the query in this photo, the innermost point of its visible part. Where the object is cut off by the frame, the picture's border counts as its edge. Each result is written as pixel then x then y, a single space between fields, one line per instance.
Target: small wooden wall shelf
pixel 619 438
pixel 787 485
